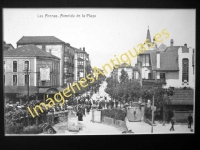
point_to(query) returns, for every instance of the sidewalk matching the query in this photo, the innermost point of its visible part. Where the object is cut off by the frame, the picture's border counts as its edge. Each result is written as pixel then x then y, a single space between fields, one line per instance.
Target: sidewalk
pixel 144 128
pixel 87 128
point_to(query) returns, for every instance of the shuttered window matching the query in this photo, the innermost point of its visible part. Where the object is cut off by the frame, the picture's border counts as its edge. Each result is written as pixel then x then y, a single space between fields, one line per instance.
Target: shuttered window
pixel 185 70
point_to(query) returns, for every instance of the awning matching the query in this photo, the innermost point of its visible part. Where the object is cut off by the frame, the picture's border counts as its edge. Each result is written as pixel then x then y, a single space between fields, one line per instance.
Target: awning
pixel 52 91
pixel 20 89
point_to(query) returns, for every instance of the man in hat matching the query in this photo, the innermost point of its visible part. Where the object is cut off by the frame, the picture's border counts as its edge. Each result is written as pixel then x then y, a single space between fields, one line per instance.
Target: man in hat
pixel 80 115
pixel 190 120
pixel 172 122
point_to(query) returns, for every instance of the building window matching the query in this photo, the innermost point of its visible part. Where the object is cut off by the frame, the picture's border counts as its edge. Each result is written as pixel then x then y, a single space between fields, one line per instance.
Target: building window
pixel 80 55
pixel 43 83
pixel 4 66
pixel 145 59
pixel 14 80
pixel 150 75
pixel 80 62
pixel 26 79
pixel 162 75
pixel 185 70
pixel 26 65
pixel 14 66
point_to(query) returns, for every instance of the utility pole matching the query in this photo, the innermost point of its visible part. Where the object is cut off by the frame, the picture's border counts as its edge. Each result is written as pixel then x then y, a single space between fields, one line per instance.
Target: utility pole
pixel 27 73
pixel 152 115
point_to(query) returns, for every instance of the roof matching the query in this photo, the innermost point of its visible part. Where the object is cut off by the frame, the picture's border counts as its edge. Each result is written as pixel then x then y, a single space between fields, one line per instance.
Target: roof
pixel 169 59
pixel 124 65
pixel 182 97
pixel 39 39
pixel 78 50
pixel 28 51
pixel 135 69
pixel 8 46
pixel 19 89
pixel 162 47
pixel 148 36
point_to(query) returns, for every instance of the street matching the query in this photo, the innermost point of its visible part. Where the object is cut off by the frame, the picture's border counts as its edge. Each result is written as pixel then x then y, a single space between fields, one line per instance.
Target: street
pixel 91 128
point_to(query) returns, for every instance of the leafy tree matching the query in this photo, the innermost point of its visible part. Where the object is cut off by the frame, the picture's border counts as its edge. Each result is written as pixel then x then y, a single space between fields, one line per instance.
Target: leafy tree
pixel 124 76
pixel 161 98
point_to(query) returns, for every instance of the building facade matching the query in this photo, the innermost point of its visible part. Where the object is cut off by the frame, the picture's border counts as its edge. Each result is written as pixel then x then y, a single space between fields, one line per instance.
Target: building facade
pixel 29 67
pixel 171 66
pixel 68 65
pixel 82 65
pixel 117 71
pixel 49 44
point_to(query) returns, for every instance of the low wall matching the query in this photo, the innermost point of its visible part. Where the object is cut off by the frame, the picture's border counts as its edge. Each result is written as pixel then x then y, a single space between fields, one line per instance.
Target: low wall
pixel 182 116
pixel 115 123
pixel 61 116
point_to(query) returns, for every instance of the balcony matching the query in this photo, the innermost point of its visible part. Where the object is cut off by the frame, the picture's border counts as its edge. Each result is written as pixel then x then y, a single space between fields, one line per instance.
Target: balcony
pixel 161 81
pixel 156 81
pixel 44 84
pixel 80 66
pixel 80 59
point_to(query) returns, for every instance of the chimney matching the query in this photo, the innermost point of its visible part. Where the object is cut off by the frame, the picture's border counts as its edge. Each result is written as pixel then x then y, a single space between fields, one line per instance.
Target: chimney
pixel 50 51
pixel 158 59
pixel 80 48
pixel 84 49
pixel 154 42
pixel 67 44
pixel 172 42
pixel 185 45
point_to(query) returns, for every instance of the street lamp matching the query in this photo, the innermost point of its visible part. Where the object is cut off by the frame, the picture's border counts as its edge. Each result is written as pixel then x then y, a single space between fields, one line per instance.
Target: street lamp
pixel 152 115
pixel 145 73
pixel 27 73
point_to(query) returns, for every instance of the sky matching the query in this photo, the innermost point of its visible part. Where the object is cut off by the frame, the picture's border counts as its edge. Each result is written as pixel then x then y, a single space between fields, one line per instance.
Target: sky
pixel 103 32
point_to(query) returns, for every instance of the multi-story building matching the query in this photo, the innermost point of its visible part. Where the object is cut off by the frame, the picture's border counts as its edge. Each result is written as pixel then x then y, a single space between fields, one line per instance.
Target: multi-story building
pixel 74 63
pixel 29 67
pixel 68 65
pixel 49 44
pixel 116 73
pixel 171 66
pixel 82 65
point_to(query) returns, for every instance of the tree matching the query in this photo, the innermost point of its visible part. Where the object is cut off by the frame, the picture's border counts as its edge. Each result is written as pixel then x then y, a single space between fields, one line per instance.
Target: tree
pixel 124 76
pixel 160 95
pixel 24 95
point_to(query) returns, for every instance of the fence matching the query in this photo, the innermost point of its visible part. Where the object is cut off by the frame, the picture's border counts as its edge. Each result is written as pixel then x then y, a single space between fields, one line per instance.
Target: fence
pixel 181 116
pixel 50 118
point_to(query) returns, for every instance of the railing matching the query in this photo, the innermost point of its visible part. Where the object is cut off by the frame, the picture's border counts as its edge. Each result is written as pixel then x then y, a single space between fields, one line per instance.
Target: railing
pixel 158 81
pixel 44 84
pixel 161 81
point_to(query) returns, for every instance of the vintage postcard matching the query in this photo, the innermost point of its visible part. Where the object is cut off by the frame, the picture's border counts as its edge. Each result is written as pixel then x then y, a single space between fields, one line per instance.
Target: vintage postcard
pixel 98 71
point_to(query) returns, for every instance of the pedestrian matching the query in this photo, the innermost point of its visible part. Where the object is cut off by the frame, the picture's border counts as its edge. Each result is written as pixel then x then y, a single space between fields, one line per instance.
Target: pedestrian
pixel 116 103
pixel 172 122
pixel 80 115
pixel 88 109
pixel 99 108
pixel 190 120
pixel 83 109
pixel 112 104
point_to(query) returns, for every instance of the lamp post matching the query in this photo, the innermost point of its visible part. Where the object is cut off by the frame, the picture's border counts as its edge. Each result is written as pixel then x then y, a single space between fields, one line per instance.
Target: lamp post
pixel 145 73
pixel 27 73
pixel 152 115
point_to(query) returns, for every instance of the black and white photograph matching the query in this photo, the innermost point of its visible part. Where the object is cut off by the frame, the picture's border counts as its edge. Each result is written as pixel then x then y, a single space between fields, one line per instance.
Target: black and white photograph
pixel 98 71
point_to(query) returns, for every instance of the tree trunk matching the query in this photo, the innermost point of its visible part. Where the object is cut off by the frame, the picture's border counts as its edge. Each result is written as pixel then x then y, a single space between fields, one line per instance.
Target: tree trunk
pixel 163 115
pixel 36 121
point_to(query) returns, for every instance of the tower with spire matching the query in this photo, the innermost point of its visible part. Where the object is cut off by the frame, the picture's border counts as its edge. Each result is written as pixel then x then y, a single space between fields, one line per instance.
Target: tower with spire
pixel 148 36
pixel 154 45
